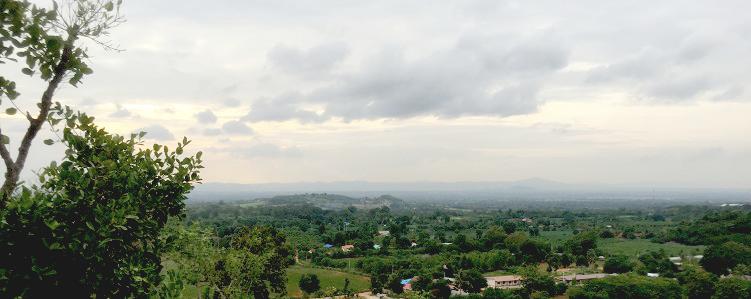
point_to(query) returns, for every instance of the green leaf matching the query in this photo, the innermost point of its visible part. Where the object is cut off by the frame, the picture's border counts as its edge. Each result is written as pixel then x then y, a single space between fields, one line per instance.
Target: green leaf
pixel 11 111
pixel 27 71
pixel 109 6
pixel 4 139
pixel 49 142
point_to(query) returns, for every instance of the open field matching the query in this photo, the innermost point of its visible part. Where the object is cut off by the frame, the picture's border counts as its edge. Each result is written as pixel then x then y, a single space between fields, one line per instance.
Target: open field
pixel 328 278
pixel 638 246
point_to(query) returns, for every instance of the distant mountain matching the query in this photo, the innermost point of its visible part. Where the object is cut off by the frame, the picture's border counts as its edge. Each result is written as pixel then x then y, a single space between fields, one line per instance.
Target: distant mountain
pixel 534 188
pixel 334 201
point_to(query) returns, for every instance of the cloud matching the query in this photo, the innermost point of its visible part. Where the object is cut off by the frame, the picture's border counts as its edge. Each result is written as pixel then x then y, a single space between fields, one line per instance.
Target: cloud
pixel 206 117
pixel 120 112
pixel 478 75
pixel 236 128
pixel 267 150
pixel 157 132
pixel 281 108
pixel 212 132
pixel 313 61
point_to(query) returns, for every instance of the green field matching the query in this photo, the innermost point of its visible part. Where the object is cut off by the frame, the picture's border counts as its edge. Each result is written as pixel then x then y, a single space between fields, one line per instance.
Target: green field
pixel 328 278
pixel 638 246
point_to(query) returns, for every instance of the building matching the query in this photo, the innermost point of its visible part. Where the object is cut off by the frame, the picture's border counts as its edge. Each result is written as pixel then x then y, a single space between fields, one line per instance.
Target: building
pixel 504 282
pixel 384 233
pixel 348 248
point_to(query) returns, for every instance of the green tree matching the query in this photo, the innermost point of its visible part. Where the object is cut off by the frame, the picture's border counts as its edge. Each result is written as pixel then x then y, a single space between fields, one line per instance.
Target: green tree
pixel 309 283
pixel 719 259
pixel 536 280
pixel 92 227
pixel 263 250
pixel 697 282
pixel 732 288
pixel 618 264
pixel 47 43
pixel 627 286
pixel 471 281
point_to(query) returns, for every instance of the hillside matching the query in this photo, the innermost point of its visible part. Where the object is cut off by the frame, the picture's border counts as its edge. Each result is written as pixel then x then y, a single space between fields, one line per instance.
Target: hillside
pixel 334 201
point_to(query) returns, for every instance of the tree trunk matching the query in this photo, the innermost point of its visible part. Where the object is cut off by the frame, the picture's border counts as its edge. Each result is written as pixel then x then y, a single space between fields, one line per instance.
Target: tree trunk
pixel 14 168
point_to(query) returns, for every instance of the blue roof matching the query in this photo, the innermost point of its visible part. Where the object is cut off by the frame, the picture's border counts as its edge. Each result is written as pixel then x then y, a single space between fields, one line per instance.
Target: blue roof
pixel 327 246
pixel 406 281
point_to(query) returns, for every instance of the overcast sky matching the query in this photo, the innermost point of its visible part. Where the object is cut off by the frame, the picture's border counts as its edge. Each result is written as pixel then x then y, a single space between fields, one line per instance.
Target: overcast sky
pixel 649 92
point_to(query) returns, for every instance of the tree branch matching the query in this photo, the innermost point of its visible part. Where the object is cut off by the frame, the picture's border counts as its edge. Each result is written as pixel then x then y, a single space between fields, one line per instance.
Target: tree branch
pixel 5 154
pixel 35 124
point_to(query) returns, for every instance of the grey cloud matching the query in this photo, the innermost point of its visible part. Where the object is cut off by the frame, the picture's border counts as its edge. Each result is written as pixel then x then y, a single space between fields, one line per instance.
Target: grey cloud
pixel 315 60
pixel 236 128
pixel 231 102
pixel 479 75
pixel 157 132
pixel 120 112
pixel 679 88
pixel 281 108
pixel 206 117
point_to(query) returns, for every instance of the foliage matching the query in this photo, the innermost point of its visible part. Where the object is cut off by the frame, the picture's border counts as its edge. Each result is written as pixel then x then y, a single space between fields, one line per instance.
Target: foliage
pixel 715 228
pixel 627 286
pixel 309 283
pixel 658 262
pixel 534 280
pixel 697 282
pixel 618 264
pixel 92 227
pixel 471 281
pixel 719 259
pixel 732 288
pixel 48 42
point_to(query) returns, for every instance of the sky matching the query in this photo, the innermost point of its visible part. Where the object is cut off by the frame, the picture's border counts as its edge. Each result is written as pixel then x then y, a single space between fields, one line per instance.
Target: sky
pixel 612 92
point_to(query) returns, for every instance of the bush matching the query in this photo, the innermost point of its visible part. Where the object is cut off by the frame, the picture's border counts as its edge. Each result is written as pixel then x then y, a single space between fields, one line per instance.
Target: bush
pixel 92 227
pixel 618 264
pixel 627 286
pixel 309 283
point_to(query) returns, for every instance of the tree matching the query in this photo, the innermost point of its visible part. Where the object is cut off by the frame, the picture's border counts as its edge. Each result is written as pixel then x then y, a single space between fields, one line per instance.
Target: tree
pixel 697 282
pixel 471 281
pixel 495 293
pixel 581 243
pixel 394 284
pixel 719 259
pixel 264 250
pixel 48 42
pixel 732 288
pixel 627 286
pixel 618 264
pixel 309 283
pixel 92 227
pixel 658 262
pixel 440 289
pixel 536 280
pixel 493 238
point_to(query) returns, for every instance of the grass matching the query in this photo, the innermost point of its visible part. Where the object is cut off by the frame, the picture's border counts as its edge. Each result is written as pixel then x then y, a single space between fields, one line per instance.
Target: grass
pixel 638 246
pixel 328 278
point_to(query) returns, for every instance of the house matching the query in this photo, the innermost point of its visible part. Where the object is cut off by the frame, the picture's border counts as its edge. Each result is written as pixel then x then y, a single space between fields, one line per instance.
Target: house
pixel 504 281
pixel 653 275
pixel 327 245
pixel 413 244
pixel 376 246
pixel 384 233
pixel 406 284
pixel 348 248
pixel 576 278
